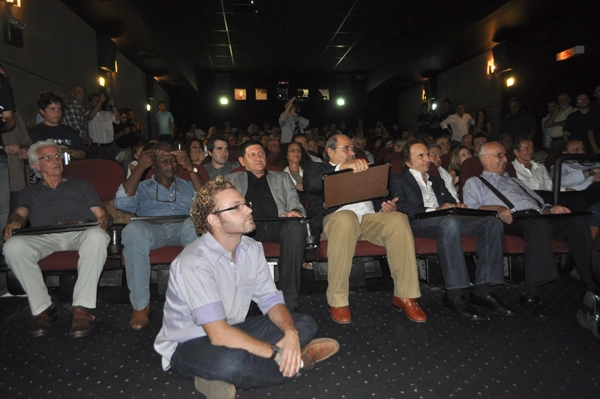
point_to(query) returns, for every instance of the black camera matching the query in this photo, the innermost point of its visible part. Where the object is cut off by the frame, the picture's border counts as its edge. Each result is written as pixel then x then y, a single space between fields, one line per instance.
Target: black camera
pixel 300 100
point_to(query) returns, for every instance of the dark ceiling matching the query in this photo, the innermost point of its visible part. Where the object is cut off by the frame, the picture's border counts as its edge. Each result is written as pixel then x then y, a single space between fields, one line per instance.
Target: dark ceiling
pixel 388 43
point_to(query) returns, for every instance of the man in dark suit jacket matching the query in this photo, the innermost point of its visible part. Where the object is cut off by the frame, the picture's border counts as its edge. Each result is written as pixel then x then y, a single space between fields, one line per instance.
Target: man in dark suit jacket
pixel 417 192
pixel 273 195
pixel 344 226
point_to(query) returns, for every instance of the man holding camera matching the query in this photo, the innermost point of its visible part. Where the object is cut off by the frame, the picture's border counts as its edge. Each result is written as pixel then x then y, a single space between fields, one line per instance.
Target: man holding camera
pixel 290 119
pixel 100 126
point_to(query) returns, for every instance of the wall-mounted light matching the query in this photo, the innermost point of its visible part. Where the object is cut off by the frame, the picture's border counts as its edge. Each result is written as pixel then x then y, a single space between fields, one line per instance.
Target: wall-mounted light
pixel 510 82
pixel 101 81
pixel 223 100
pixel 16 3
pixel 148 107
pixel 491 67
pixel 341 102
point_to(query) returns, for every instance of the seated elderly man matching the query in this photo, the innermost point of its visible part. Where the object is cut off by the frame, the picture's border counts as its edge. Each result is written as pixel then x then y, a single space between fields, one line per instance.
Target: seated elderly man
pixel 54 201
pixel 495 190
pixel 162 195
pixel 274 195
pixel 343 226
pixel 207 334
pixel 418 192
pixel 536 177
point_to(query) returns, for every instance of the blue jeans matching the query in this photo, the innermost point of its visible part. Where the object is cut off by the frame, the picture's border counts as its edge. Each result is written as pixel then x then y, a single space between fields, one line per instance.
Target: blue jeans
pixel 198 357
pixel 448 230
pixel 139 238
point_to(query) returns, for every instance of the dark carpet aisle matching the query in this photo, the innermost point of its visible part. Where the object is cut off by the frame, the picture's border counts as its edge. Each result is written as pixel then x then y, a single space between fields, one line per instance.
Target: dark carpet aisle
pixel 382 355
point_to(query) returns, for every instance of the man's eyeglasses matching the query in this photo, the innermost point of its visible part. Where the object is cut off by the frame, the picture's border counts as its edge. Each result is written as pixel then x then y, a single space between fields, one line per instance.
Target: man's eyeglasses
pixel 169 200
pixel 347 148
pixel 50 157
pixel 498 155
pixel 237 207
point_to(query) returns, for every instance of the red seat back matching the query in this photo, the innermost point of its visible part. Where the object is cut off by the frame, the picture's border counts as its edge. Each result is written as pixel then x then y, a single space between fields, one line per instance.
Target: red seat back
pixel 381 153
pixel 472 167
pixel 106 176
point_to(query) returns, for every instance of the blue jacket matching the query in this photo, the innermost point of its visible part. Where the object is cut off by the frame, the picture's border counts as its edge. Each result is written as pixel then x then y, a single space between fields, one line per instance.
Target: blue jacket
pixel 410 200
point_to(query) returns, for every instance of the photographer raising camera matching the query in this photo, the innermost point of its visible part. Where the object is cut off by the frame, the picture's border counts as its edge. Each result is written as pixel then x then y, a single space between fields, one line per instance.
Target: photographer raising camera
pixel 290 120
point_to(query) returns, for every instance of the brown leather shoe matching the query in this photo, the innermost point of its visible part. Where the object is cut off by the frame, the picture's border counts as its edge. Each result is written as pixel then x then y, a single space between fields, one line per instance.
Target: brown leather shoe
pixel 81 323
pixel 411 307
pixel 340 314
pixel 140 318
pixel 41 323
pixel 318 350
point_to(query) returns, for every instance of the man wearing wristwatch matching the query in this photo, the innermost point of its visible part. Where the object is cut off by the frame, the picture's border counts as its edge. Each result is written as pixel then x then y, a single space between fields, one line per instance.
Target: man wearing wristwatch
pixel 206 334
pixel 496 191
pixel 580 176
pixel 100 127
pixel 164 194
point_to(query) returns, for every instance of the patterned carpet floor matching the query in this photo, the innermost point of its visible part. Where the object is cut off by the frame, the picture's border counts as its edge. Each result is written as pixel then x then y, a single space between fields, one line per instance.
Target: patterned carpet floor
pixel 382 355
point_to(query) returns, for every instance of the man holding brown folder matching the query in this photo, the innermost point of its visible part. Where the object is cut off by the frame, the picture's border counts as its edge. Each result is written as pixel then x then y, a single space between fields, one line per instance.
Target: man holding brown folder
pixel 344 226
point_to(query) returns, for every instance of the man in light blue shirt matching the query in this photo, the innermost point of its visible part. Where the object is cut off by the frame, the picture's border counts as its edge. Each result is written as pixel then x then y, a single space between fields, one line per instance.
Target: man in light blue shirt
pixel 206 334
pixel 540 266
pixel 164 194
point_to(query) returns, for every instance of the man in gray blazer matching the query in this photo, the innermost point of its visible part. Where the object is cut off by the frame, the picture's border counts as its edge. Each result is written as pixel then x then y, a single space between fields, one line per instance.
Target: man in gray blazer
pixel 273 195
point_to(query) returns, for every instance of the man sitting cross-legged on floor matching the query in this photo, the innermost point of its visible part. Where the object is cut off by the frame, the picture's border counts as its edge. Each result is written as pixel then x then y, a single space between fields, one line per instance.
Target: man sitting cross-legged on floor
pixel 55 200
pixel 418 192
pixel 206 333
pixel 162 195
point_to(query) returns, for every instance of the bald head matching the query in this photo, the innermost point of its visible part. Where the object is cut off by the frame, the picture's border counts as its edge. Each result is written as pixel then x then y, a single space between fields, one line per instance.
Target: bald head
pixel 493 157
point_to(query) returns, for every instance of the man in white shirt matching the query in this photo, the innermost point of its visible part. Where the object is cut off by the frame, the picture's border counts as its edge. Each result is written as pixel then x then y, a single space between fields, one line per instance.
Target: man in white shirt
pixel 100 127
pixel 458 124
pixel 534 175
pixel 435 156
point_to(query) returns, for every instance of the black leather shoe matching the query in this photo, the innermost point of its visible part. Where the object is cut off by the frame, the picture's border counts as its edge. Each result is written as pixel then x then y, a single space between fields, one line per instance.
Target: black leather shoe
pixel 493 303
pixel 533 306
pixel 589 315
pixel 41 323
pixel 462 307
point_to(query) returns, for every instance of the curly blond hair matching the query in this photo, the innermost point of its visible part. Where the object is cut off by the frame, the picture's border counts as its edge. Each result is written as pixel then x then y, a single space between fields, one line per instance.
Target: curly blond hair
pixel 204 203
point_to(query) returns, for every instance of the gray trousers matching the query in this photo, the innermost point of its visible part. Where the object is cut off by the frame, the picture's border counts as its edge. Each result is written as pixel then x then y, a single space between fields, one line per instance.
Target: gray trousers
pixel 23 253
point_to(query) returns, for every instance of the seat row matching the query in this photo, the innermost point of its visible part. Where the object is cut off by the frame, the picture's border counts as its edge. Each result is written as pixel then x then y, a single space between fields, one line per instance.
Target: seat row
pixel 106 176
